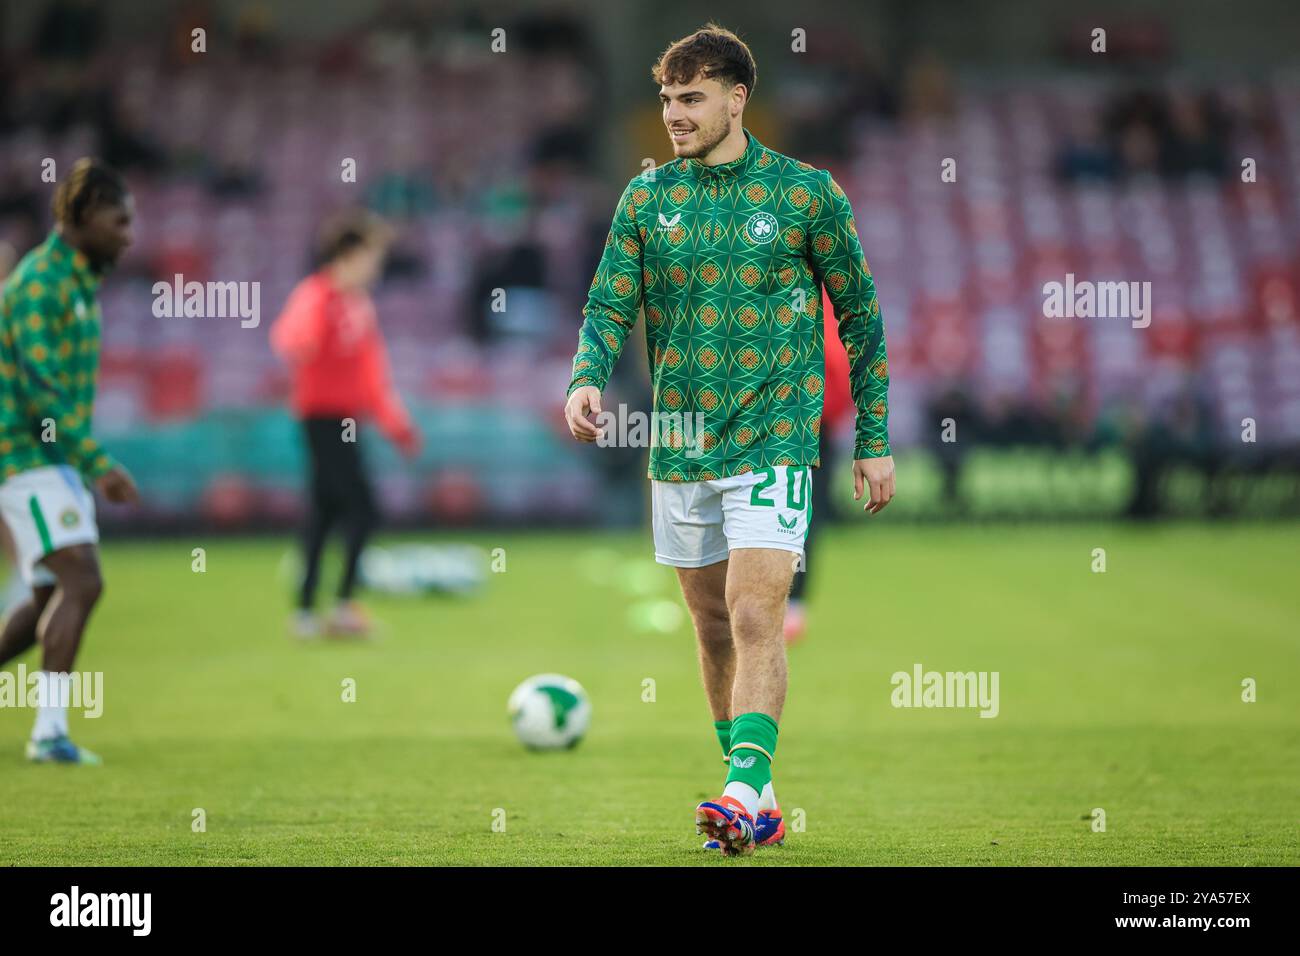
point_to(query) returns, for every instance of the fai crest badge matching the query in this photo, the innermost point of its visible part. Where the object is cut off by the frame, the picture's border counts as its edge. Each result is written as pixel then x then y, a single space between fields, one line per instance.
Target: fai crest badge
pixel 761 227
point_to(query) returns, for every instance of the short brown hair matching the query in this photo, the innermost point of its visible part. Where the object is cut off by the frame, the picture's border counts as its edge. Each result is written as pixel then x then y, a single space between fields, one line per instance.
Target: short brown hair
pixel 713 51
pixel 348 230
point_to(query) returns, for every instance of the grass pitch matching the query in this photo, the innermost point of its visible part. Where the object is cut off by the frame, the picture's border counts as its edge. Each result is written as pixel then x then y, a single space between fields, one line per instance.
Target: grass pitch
pixel 1119 691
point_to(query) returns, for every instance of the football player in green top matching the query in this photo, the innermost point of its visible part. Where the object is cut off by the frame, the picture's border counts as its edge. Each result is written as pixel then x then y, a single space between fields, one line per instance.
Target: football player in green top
pixel 49 364
pixel 725 250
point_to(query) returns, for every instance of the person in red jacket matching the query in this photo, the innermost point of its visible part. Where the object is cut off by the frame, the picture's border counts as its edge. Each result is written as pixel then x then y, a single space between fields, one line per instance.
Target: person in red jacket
pixel 837 407
pixel 329 336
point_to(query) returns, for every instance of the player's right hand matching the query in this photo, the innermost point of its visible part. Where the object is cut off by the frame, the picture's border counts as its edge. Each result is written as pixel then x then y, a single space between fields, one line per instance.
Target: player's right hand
pixel 876 476
pixel 118 486
pixel 408 442
pixel 583 402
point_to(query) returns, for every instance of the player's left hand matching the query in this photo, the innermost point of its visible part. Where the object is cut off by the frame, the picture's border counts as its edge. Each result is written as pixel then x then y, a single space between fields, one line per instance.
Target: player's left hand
pixel 118 486
pixel 877 474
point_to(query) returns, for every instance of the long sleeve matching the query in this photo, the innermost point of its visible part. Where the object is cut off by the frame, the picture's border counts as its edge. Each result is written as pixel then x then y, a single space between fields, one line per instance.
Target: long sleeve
pixel 838 263
pixel 44 352
pixel 297 332
pixel 382 398
pixel 615 296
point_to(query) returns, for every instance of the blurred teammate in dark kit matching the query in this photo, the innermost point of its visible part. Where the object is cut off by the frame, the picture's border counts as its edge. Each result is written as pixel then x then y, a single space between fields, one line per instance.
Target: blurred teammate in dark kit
pixel 329 336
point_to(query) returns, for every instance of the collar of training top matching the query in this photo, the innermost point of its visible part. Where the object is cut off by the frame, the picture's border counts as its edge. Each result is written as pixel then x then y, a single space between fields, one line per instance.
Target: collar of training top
pixel 62 251
pixel 738 166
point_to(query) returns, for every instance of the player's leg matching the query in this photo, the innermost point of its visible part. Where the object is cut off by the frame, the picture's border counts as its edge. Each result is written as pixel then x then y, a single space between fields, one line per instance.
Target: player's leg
pixel 688 535
pixel 51 516
pixel 60 629
pixel 15 590
pixel 63 622
pixel 687 520
pixel 316 531
pixel 23 547
pixel 704 590
pixel 19 630
pixel 320 435
pixel 359 523
pixel 359 518
pixel 758 580
pixel 765 519
pixel 688 532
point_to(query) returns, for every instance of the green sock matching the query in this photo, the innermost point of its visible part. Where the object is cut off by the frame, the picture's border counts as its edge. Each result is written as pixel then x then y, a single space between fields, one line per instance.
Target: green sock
pixel 749 765
pixel 723 728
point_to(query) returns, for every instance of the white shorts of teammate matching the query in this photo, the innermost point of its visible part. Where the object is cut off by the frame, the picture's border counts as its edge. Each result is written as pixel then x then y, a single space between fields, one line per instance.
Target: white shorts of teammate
pixel 46 509
pixel 697 523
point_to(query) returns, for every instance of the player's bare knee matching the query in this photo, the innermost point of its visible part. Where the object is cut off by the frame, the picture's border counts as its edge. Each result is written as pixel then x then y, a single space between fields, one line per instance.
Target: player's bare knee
pixel 82 584
pixel 712 626
pixel 94 586
pixel 754 619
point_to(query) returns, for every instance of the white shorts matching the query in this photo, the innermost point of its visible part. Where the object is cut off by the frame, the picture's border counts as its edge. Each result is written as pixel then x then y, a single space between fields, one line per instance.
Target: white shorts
pixel 46 509
pixel 697 523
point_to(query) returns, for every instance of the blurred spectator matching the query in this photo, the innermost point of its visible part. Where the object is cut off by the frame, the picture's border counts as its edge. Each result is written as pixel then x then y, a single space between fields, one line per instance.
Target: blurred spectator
pixel 186 17
pixel 1086 153
pixel 927 88
pixel 19 200
pixel 233 173
pixel 1149 133
pixel 518 270
pixel 255 32
pixel 1197 137
pixel 1179 432
pixel 404 189
pixel 397 34
pixel 844 81
pixel 952 404
pixel 71 31
pixel 1009 419
pixel 127 141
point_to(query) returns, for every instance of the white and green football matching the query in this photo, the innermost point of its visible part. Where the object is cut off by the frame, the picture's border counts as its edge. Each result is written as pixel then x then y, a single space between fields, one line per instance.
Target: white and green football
pixel 549 712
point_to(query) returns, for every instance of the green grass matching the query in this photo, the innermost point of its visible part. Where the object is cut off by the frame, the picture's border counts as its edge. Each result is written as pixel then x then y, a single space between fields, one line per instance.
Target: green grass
pixel 1119 691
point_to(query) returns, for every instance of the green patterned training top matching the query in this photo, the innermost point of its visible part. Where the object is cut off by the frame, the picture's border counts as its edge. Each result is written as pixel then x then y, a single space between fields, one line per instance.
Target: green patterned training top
pixel 49 361
pixel 727 262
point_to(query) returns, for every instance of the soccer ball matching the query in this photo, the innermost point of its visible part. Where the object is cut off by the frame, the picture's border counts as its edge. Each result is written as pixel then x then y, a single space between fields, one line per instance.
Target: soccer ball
pixel 549 712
